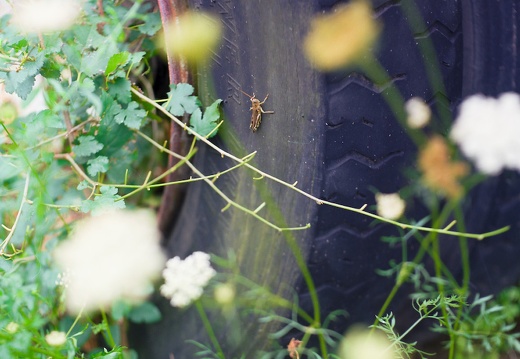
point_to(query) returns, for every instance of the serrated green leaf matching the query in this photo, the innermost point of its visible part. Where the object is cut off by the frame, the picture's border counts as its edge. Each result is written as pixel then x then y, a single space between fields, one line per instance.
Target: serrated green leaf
pixel 119 88
pixel 151 25
pixel 21 86
pixel 137 57
pixel 117 60
pixel 97 165
pixel 204 125
pixel 21 82
pixel 87 146
pixel 108 199
pixel 132 115
pixel 73 55
pixel 82 185
pixel 97 52
pixel 180 100
pixel 87 85
pixel 108 127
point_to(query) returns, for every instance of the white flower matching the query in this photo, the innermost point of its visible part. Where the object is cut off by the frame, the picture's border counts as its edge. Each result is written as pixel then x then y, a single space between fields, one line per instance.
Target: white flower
pixel 55 338
pixel 39 16
pixel 63 279
pixel 12 327
pixel 110 257
pixel 361 343
pixel 487 131
pixel 390 206
pixel 185 279
pixel 418 112
pixel 225 293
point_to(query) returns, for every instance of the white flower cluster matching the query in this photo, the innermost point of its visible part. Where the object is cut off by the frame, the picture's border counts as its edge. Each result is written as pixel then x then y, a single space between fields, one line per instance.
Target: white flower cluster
pixel 487 131
pixel 185 279
pixel 39 16
pixel 110 257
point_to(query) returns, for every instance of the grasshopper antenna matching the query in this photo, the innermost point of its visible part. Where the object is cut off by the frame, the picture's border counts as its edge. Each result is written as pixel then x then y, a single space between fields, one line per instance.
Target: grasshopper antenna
pixel 248 95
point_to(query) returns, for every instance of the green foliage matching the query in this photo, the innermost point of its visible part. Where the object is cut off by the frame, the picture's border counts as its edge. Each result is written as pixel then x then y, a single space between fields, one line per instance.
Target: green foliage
pixel 73 154
pixel 487 326
pixel 87 145
pixel 181 100
pixel 206 125
pixel 106 199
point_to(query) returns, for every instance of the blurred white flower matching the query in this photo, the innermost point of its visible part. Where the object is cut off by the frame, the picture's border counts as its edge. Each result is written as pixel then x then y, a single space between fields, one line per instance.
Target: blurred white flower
pixel 390 206
pixel 487 131
pixel 185 279
pixel 5 8
pixel 39 16
pixel 225 293
pixel 418 112
pixel 110 257
pixel 12 106
pixel 361 343
pixel 56 338
pixel 12 327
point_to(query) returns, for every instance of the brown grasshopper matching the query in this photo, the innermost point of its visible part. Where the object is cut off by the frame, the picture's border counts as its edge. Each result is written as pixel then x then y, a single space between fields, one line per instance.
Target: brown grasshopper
pixel 257 110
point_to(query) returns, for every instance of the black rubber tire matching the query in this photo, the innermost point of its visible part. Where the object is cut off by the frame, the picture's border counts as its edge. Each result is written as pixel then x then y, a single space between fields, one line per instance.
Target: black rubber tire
pixel 335 135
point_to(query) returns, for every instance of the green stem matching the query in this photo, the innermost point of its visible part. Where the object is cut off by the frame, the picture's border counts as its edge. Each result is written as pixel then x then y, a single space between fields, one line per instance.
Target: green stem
pixel 424 249
pixel 209 329
pixel 108 333
pixel 466 275
pixel 302 265
pixel 431 62
pixel 379 76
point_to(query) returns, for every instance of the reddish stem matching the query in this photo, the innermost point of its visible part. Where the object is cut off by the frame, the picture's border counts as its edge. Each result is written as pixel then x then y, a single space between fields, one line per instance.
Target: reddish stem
pixel 178 73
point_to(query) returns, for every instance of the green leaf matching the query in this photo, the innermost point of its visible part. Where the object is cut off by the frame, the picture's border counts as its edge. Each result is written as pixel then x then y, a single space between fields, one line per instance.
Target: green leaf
pixel 137 57
pixel 108 127
pixel 97 165
pixel 119 310
pixel 50 119
pixel 132 115
pixel 145 313
pixel 87 146
pixel 151 25
pixel 21 85
pixel 116 353
pixel 107 199
pixel 180 100
pixel 118 60
pixel 119 88
pixel 22 81
pixel 204 125
pixel 82 185
pixel 96 52
pixel 8 169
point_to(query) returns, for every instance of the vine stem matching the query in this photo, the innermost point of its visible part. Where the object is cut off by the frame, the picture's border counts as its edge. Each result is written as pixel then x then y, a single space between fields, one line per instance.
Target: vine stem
pixel 228 200
pixel 361 210
pixel 108 332
pixel 7 239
